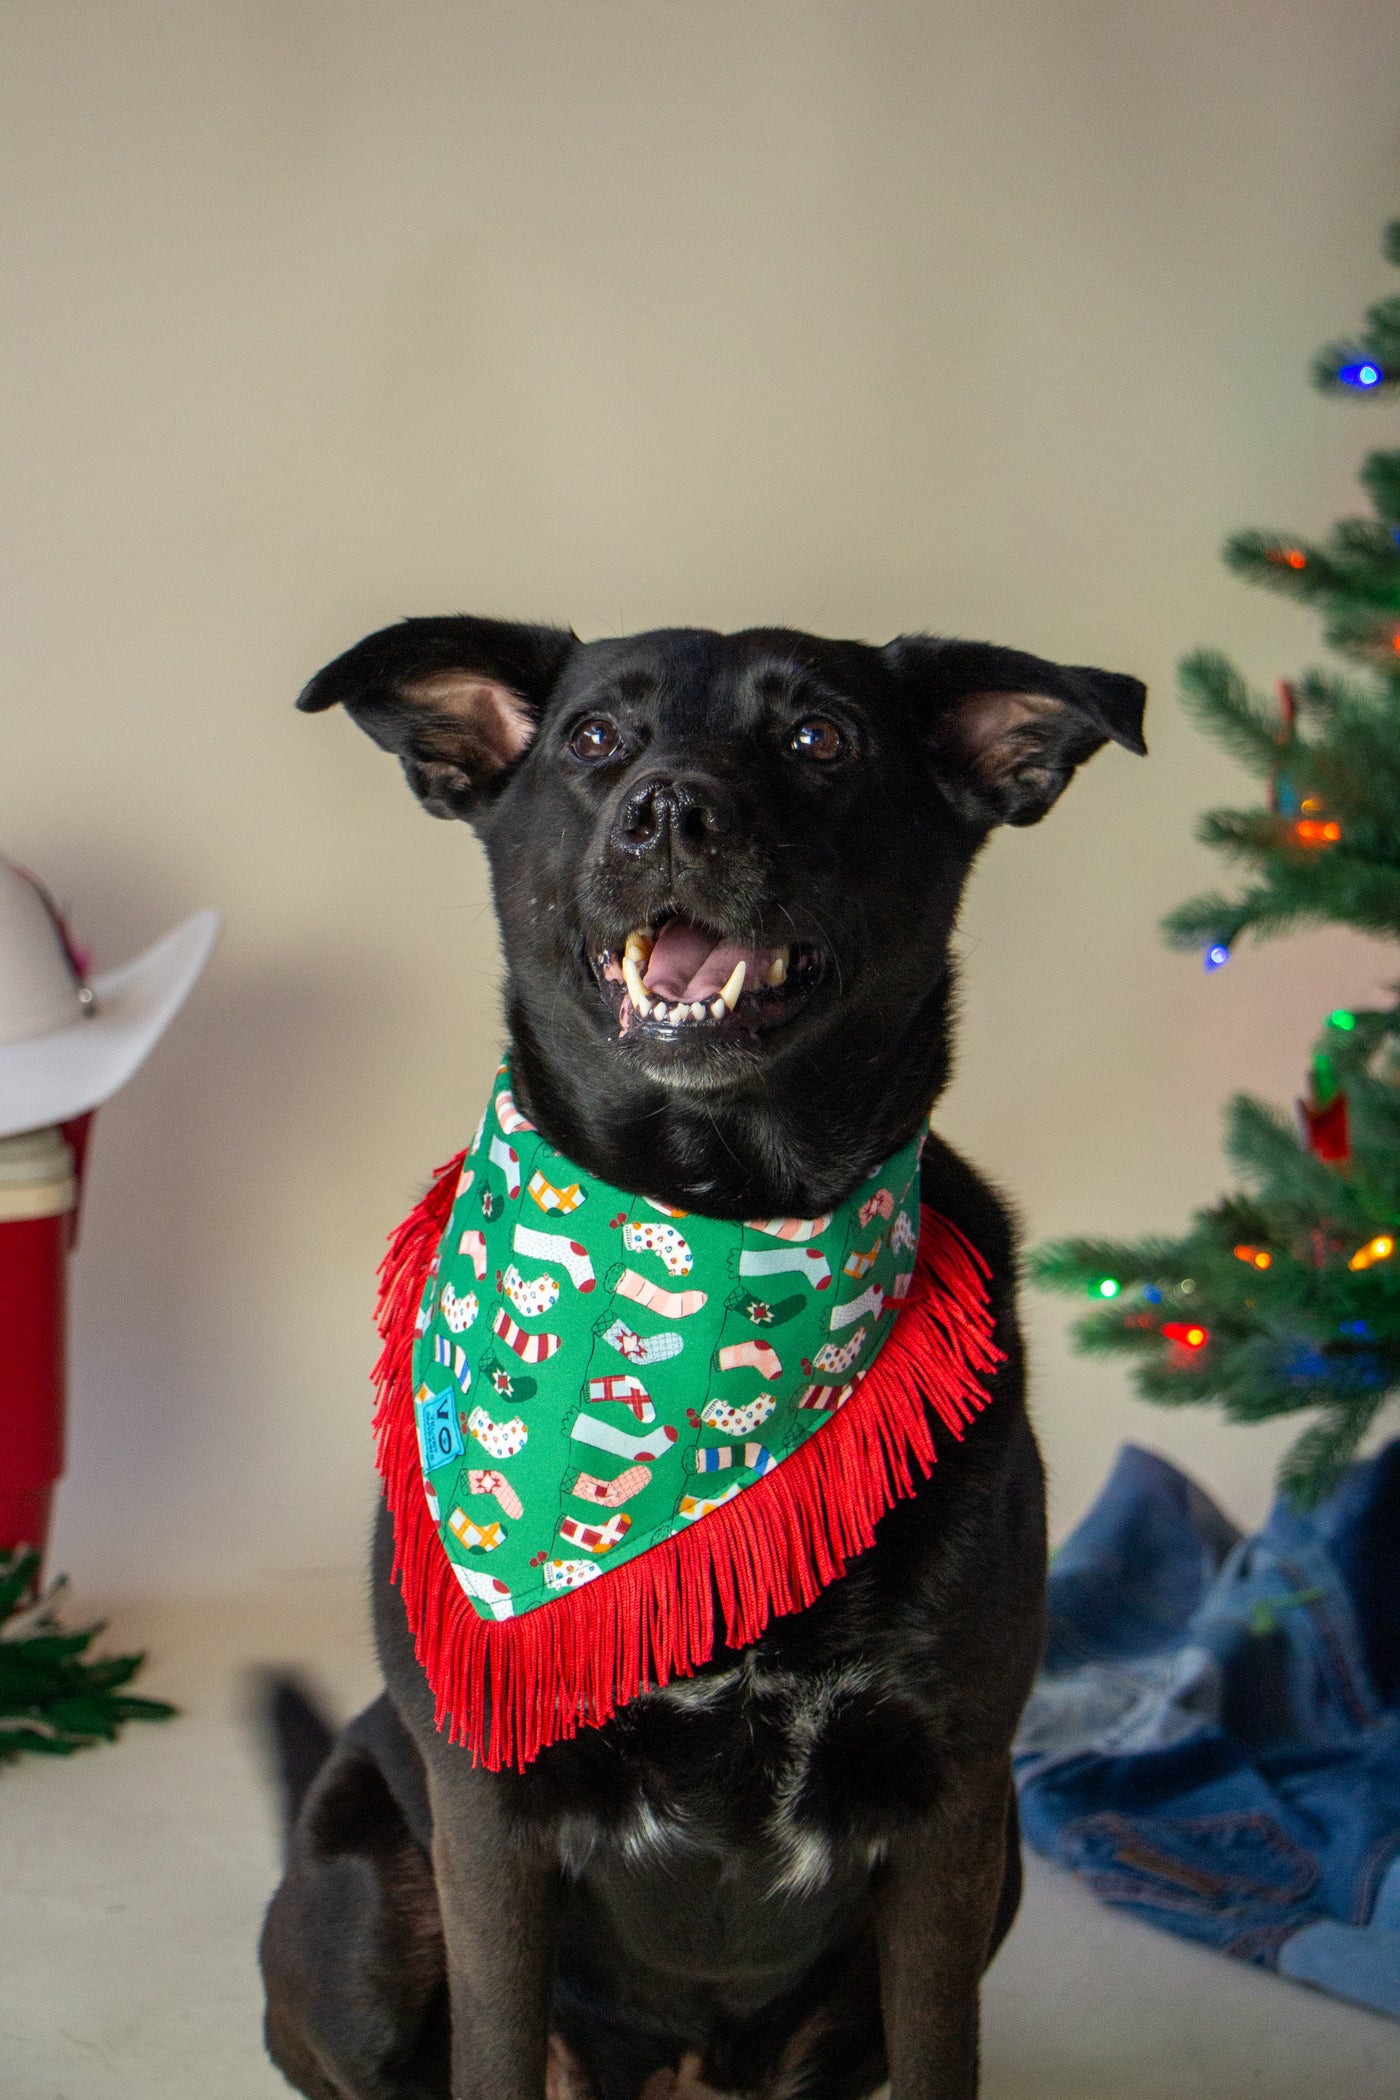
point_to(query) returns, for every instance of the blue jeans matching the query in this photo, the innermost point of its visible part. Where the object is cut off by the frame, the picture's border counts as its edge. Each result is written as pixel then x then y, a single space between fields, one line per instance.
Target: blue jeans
pixel 1214 1739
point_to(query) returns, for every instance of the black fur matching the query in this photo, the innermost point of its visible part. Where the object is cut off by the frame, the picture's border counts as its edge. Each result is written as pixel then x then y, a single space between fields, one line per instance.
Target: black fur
pixel 786 1874
pixel 298 1737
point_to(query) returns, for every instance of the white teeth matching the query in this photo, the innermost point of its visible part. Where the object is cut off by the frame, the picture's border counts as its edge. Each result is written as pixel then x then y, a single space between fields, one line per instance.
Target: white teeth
pixel 777 969
pixel 731 991
pixel 697 1011
pixel 632 978
pixel 679 1012
pixel 639 945
pixel 718 1010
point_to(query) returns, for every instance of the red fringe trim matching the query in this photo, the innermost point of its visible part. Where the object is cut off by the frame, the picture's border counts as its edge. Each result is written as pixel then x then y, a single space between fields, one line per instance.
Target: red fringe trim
pixel 508 1687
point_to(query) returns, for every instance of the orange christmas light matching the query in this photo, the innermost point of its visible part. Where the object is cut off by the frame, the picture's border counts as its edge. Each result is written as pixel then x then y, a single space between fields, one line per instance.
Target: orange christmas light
pixel 1259 1256
pixel 1379 1249
pixel 1287 557
pixel 1315 831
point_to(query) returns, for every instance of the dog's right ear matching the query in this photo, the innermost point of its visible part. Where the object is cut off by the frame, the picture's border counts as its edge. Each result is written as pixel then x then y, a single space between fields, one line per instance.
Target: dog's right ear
pixel 456 700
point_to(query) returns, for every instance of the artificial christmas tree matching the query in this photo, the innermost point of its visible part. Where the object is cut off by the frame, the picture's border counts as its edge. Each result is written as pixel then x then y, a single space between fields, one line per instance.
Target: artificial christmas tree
pixel 1285 1299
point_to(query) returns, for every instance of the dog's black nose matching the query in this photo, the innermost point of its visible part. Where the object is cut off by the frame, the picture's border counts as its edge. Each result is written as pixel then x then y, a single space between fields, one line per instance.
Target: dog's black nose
pixel 665 815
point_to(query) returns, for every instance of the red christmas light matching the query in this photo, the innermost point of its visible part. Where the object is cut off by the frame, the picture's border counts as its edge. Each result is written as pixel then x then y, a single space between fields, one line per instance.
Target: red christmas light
pixel 1187 1333
pixel 1327 1130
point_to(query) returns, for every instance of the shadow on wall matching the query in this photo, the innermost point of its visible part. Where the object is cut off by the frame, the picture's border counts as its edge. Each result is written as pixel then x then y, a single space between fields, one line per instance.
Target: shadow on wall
pixel 195 1375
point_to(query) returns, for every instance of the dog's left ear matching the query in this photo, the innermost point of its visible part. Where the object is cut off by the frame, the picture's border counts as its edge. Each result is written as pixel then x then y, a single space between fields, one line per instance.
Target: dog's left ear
pixel 1005 730
pixel 456 700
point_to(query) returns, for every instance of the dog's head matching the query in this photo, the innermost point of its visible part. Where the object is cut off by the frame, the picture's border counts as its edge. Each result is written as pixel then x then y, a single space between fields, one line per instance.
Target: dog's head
pixel 727 868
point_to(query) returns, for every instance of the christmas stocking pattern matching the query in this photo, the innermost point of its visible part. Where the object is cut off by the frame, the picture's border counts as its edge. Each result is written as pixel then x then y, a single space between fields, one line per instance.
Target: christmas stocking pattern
pixel 827 1397
pixel 571 1255
pixel 665 1241
pixel 652 1443
pixel 752 1356
pixel 738 1421
pixel 458 1313
pixel 530 1348
pixel 639 1349
pixel 549 1196
pixel 473 1245
pixel 453 1357
pixel 532 1299
pixel 669 1305
pixel 486 1590
pixel 693 1506
pixel 477 1538
pixel 509 1116
pixel 623 1391
pixel 501 1439
pixel 793 1228
pixel 594 1538
pixel 507 1159
pixel 569 1574
pixel 836 1359
pixel 871 1301
pixel 616 1333
pixel 612 1493
pixel 492 1483
pixel 807 1262
pixel 718 1458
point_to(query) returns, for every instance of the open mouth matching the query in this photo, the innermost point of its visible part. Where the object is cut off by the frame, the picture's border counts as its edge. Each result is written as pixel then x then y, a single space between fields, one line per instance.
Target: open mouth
pixel 681 979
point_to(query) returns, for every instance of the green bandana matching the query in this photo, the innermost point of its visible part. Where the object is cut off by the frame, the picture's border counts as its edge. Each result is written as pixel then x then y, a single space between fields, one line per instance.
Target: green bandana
pixel 595 1372
pixel 670 1429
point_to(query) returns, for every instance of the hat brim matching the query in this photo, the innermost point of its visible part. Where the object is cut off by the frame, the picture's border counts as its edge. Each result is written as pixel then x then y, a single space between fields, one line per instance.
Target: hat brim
pixel 50 1078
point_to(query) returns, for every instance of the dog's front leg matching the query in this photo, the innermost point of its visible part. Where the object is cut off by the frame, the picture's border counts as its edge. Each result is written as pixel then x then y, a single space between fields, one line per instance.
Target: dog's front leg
pixel 936 1901
pixel 499 1896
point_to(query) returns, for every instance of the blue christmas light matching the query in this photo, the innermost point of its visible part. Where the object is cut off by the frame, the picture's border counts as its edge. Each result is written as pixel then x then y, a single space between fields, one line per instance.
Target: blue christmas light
pixel 1216 957
pixel 1152 1293
pixel 1358 1327
pixel 1364 373
pixel 1306 1364
pixel 1360 1373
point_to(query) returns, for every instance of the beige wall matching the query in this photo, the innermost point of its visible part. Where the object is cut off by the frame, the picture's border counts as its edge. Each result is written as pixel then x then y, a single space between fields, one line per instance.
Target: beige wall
pixel 863 317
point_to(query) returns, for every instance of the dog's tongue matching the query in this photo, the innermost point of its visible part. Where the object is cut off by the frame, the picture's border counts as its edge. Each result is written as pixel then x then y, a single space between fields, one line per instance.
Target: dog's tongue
pixel 687 963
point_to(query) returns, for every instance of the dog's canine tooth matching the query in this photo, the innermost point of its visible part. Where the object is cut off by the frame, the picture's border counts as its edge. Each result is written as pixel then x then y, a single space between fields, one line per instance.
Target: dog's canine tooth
pixel 777 969
pixel 639 945
pixel 732 991
pixel 632 978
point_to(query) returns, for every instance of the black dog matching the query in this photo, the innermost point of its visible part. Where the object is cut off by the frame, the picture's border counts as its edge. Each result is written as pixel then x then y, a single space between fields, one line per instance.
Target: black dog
pixel 786 1874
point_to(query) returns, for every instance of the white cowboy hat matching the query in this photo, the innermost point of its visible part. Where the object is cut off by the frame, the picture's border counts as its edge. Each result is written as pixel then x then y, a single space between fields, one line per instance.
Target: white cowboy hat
pixel 67 1041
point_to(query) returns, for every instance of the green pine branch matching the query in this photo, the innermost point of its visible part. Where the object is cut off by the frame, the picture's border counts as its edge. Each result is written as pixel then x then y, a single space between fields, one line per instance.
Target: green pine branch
pixel 54 1697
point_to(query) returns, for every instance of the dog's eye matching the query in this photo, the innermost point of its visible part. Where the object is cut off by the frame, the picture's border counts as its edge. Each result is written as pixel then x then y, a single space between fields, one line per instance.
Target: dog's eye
pixel 819 739
pixel 596 738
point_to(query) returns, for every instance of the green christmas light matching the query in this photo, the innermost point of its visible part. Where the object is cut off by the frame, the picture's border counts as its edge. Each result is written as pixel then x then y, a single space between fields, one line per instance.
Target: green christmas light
pixel 1108 1288
pixel 1341 1019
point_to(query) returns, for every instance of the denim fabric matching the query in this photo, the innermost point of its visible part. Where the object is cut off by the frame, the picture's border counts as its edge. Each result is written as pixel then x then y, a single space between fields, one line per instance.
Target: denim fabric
pixel 1214 1739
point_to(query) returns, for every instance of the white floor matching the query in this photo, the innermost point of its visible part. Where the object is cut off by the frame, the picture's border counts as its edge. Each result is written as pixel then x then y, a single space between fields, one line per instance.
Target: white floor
pixel 132 1880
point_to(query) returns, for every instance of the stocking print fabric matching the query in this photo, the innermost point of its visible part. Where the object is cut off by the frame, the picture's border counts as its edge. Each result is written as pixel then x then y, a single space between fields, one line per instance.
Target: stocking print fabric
pixel 595 1372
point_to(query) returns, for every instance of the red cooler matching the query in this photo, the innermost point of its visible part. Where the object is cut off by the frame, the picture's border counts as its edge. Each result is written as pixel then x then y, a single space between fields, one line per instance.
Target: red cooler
pixel 38 1199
